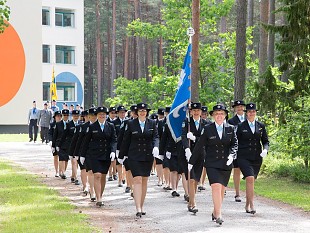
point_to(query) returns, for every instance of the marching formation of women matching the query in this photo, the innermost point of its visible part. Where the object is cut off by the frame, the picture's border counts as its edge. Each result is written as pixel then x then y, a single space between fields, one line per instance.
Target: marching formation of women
pixel 128 145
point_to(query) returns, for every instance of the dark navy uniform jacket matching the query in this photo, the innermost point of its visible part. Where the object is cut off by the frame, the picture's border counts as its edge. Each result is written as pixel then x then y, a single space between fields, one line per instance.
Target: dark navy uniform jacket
pixel 250 145
pixel 234 120
pixel 121 133
pixel 193 129
pixel 80 140
pixel 58 132
pixel 67 136
pixel 74 140
pixel 138 145
pixel 99 144
pixel 167 143
pixel 51 130
pixel 117 124
pixel 216 150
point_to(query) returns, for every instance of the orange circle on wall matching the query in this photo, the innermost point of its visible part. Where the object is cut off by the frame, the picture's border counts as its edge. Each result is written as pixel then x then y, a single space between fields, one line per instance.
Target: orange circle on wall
pixel 12 64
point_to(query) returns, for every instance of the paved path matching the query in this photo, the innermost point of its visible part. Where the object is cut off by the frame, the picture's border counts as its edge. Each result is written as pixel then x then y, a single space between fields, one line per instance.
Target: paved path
pixel 164 213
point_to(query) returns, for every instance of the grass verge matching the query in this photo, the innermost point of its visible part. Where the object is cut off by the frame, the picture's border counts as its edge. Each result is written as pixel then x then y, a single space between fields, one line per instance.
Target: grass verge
pixel 26 205
pixel 281 189
pixel 15 137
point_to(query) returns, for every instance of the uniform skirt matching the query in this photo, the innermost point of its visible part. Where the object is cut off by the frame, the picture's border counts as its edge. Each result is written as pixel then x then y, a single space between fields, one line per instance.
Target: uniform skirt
pixel 87 164
pixel 165 162
pixel 100 166
pixel 126 165
pixel 217 175
pixel 82 166
pixel 250 167
pixel 158 161
pixel 235 163
pixel 63 155
pixel 174 163
pixel 195 172
pixel 140 168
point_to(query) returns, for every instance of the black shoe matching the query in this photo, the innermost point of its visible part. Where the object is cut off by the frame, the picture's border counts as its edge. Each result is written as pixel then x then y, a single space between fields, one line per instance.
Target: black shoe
pixel 237 198
pixel 120 185
pixel 143 213
pixel 200 188
pixel 99 203
pixel 174 193
pixel 76 182
pixel 123 181
pixel 138 214
pixel 186 198
pixel 131 195
pixel 110 178
pixel 219 221
pixel 213 217
pixel 63 176
pixel 92 198
pixel 57 175
pixel 168 188
pixel 30 140
pixel 114 177
pixel 72 180
pixel 253 212
pixel 127 190
pixel 34 141
pixel 192 209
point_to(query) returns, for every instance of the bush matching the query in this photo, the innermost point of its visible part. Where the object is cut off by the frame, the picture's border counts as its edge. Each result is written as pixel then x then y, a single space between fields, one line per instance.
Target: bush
pixel 284 167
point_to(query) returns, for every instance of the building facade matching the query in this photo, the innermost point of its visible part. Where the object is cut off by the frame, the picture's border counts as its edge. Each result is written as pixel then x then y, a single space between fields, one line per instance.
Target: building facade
pixel 42 36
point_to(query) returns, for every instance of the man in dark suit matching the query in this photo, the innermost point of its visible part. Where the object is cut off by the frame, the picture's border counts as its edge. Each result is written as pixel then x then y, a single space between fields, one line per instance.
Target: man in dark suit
pixel 239 117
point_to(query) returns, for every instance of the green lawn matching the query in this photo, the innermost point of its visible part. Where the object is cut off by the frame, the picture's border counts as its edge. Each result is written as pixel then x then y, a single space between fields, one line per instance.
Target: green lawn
pixel 15 137
pixel 282 189
pixel 28 206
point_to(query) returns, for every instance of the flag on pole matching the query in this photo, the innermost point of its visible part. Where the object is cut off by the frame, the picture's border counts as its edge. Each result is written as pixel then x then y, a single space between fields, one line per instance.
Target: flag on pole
pixel 53 88
pixel 179 106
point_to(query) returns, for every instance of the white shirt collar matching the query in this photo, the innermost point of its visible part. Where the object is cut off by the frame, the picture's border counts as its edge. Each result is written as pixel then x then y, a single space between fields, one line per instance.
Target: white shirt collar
pixel 216 125
pixel 249 122
pixel 141 121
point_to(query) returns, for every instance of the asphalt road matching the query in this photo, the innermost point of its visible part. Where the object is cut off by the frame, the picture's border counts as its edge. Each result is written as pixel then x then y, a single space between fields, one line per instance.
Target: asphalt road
pixel 164 213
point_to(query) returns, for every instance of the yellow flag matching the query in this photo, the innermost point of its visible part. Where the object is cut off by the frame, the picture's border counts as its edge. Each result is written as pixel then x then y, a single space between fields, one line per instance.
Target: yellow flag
pixel 53 88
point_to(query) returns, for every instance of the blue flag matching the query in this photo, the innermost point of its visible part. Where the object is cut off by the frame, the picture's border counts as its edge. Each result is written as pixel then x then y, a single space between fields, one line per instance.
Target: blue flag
pixel 180 103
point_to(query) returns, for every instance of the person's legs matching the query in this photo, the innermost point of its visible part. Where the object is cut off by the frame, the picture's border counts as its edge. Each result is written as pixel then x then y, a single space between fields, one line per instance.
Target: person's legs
pixel 119 168
pixel 84 179
pixel 30 130
pixel 174 180
pixel 103 182
pixel 35 126
pixel 159 171
pixel 217 197
pixel 167 176
pixel 56 164
pixel 236 177
pixel 185 184
pixel 192 192
pixel 249 193
pixel 137 192
pixel 91 181
pixel 97 186
pixel 144 190
pixel 74 168
pixel 62 167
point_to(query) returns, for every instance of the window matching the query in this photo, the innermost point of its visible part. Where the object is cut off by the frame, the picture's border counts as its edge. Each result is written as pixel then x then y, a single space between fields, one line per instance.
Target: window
pixel 65 54
pixel 46 53
pixel 45 17
pixel 64 18
pixel 65 91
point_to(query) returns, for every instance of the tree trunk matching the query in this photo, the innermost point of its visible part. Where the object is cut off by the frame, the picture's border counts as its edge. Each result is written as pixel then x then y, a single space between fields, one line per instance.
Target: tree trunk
pixel 263 39
pixel 271 36
pixel 98 48
pixel 140 58
pixel 223 29
pixel 250 16
pixel 195 51
pixel 113 74
pixel 149 51
pixel 240 67
pixel 109 45
pixel 160 43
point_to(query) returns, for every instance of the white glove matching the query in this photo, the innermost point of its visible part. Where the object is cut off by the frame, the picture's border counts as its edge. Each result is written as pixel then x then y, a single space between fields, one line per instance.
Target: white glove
pixel 112 156
pixel 188 154
pixel 189 166
pixel 121 161
pixel 57 148
pixel 82 160
pixel 161 157
pixel 230 160
pixel 264 153
pixel 50 143
pixel 168 155
pixel 70 157
pixel 53 150
pixel 155 152
pixel 191 136
pixel 77 157
pixel 117 153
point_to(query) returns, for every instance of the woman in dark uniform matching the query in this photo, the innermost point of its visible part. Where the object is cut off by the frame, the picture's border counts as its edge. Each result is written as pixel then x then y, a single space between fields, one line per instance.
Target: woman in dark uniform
pixel 252 135
pixel 140 144
pixel 100 145
pixel 57 118
pixel 221 144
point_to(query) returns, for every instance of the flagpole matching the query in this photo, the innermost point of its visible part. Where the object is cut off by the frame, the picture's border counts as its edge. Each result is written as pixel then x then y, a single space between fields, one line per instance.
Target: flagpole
pixel 190 33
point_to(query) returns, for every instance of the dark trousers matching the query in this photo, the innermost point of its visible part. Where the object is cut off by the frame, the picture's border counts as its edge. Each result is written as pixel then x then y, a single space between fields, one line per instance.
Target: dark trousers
pixel 44 134
pixel 33 124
